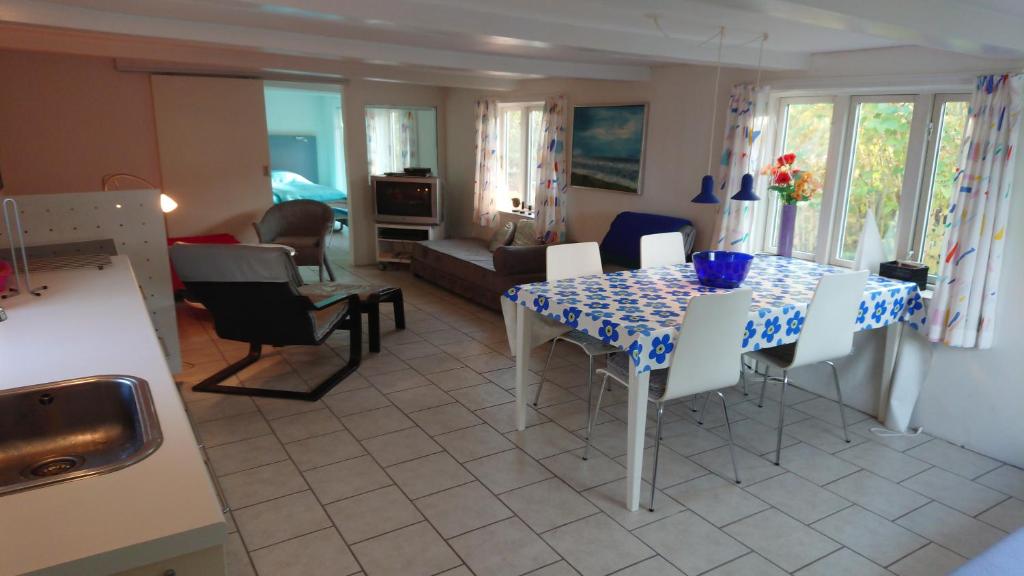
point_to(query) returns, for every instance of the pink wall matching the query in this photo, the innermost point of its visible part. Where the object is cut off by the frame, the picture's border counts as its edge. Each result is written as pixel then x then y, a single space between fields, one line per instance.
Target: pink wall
pixel 65 121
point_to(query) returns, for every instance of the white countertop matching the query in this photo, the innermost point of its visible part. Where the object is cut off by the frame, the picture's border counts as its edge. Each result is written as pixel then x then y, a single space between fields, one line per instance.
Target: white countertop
pixel 92 322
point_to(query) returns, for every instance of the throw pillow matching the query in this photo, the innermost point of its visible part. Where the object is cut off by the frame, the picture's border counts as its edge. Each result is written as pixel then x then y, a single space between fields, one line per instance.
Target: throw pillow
pixel 525 234
pixel 502 236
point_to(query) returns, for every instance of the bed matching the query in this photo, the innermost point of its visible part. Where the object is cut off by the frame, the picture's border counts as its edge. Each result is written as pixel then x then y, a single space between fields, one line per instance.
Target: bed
pixel 291 186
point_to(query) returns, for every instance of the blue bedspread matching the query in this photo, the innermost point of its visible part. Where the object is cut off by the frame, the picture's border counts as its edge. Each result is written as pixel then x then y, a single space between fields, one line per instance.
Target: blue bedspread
pixel 291 186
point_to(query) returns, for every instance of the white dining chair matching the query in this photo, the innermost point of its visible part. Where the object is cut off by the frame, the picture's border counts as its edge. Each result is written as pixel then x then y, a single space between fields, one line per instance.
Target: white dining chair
pixel 572 261
pixel 665 249
pixel 827 335
pixel 706 352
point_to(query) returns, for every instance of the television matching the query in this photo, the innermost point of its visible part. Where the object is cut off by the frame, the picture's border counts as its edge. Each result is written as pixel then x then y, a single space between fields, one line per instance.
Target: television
pixel 407 199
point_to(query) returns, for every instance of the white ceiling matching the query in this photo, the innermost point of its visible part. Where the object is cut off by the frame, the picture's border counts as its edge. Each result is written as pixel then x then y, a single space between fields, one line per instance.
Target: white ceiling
pixel 503 40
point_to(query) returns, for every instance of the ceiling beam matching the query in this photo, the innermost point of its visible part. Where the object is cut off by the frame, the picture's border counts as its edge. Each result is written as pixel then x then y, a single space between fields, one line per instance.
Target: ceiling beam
pixel 317 46
pixel 951 25
pixel 157 55
pixel 564 23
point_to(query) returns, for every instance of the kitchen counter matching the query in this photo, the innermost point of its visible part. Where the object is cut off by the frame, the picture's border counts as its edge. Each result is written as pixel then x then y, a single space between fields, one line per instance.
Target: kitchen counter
pixel 92 322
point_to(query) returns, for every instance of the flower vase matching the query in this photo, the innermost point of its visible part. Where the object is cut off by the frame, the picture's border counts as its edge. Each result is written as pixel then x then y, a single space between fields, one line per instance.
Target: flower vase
pixel 786 225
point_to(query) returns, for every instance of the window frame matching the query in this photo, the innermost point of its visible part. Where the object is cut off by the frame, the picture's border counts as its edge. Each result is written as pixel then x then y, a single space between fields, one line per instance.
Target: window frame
pixel 924 199
pixel 772 206
pixel 921 149
pixel 527 187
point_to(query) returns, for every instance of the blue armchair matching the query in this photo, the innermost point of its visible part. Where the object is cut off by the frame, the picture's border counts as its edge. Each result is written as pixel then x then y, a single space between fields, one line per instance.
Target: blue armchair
pixel 621 245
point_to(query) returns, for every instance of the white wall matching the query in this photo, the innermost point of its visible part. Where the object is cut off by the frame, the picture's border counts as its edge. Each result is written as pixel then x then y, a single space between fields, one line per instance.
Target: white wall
pixel 303 112
pixel 678 128
pixel 971 398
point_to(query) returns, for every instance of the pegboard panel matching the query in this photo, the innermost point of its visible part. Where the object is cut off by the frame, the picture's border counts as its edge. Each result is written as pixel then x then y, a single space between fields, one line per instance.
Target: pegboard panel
pixel 133 220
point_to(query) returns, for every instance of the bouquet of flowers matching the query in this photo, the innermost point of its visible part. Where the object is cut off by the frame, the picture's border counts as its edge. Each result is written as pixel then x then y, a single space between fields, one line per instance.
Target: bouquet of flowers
pixel 792 184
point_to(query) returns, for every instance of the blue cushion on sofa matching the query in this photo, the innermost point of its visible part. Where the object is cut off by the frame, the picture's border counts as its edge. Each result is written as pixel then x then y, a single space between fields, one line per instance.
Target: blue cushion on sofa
pixel 621 245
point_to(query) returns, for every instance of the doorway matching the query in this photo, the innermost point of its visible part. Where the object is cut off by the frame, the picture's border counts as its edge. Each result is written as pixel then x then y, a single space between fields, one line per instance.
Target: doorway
pixel 306 139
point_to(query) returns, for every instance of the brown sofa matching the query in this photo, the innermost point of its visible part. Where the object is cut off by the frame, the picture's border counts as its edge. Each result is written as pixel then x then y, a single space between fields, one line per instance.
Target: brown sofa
pixel 465 266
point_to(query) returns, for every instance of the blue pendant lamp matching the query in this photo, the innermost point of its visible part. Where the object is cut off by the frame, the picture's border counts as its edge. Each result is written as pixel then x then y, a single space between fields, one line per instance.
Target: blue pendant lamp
pixel 707 183
pixel 746 193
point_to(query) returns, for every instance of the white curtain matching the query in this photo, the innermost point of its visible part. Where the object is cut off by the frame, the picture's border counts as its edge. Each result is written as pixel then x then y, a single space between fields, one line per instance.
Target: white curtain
pixel 962 312
pixel 391 139
pixel 743 151
pixel 552 179
pixel 487 175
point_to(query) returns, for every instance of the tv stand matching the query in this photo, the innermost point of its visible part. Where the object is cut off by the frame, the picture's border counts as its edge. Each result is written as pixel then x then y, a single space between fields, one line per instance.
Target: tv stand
pixel 395 241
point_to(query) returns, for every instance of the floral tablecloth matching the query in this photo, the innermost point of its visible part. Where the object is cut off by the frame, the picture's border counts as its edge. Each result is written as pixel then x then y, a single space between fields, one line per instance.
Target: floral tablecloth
pixel 641 311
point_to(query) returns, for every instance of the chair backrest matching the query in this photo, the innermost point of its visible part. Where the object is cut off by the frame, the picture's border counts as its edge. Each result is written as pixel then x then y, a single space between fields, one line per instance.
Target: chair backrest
pixel 573 260
pixel 665 249
pixel 707 351
pixel 828 329
pixel 251 291
pixel 295 218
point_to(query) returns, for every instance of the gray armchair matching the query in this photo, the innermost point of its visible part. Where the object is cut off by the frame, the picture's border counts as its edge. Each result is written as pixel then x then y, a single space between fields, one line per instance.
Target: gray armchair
pixel 303 225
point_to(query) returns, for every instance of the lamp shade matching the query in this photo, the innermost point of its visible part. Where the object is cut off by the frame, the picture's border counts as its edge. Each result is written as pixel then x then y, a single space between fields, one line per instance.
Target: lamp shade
pixel 746 193
pixel 707 192
pixel 167 204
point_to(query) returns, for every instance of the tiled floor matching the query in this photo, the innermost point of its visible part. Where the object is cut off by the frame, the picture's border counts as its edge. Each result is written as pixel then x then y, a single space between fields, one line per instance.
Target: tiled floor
pixel 413 467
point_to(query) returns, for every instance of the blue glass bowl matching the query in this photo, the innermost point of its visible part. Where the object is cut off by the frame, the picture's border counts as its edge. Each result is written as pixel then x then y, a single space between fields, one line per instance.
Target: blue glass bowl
pixel 721 269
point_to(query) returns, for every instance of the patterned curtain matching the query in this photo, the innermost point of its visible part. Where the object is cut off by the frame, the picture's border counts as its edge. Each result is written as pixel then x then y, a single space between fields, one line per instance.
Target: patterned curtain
pixel 743 151
pixel 485 183
pixel 962 311
pixel 391 139
pixel 551 172
pixel 406 129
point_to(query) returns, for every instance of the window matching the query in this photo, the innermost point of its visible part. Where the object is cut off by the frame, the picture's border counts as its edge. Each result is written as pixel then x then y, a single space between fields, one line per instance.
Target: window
pixel 949 120
pixel 519 128
pixel 806 129
pixel 894 156
pixel 874 181
pixel 399 138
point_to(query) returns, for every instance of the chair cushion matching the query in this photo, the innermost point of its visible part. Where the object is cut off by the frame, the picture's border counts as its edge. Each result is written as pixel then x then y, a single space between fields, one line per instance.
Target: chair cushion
pixel 780 357
pixel 592 346
pixel 324 290
pixel 502 236
pixel 326 319
pixel 619 366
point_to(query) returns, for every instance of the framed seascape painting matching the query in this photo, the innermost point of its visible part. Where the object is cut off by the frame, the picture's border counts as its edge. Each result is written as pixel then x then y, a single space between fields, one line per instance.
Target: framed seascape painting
pixel 608 147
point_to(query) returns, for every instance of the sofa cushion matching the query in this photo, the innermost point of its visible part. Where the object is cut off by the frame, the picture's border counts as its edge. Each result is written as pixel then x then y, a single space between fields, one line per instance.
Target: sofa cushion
pixel 502 236
pixel 469 250
pixel 526 234
pixel 621 245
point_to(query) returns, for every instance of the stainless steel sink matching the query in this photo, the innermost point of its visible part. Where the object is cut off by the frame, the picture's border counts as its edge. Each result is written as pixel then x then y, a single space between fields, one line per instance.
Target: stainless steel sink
pixel 74 428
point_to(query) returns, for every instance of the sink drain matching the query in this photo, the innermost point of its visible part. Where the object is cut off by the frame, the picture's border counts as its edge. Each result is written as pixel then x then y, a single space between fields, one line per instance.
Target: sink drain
pixel 55 466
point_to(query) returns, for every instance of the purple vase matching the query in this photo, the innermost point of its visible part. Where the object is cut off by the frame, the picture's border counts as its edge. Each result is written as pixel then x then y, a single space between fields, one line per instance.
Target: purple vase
pixel 786 225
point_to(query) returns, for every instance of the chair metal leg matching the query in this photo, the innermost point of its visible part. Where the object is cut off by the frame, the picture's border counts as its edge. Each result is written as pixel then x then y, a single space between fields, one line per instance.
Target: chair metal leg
pixel 743 376
pixel 693 403
pixel 782 414
pixel 540 385
pixel 704 409
pixel 592 416
pixel 728 428
pixel 839 395
pixel 764 384
pixel 590 387
pixel 657 448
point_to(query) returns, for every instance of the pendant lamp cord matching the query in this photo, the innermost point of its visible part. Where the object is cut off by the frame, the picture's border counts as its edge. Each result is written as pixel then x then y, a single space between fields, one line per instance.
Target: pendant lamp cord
pixel 714 103
pixel 757 85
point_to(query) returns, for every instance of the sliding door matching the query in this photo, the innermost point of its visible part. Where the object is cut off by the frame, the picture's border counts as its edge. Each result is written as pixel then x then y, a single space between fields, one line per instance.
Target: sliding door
pixel 212 134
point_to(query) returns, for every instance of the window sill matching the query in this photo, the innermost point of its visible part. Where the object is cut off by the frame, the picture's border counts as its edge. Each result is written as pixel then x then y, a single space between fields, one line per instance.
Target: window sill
pixel 517 213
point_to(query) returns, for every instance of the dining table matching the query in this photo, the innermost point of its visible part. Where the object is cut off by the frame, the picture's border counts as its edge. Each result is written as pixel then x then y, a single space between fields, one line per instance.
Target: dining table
pixel 640 312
